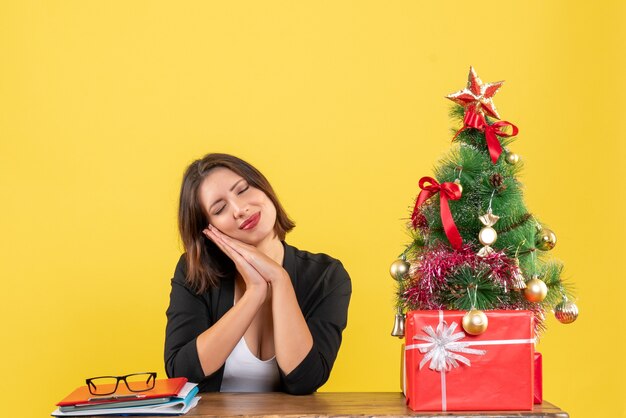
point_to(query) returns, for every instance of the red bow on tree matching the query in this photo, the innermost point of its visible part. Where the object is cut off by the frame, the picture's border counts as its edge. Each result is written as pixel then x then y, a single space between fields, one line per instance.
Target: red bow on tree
pixel 477 100
pixel 447 191
pixel 476 120
pixel 492 132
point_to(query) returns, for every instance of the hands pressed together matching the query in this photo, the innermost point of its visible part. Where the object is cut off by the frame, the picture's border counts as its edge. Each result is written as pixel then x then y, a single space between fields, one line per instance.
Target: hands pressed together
pixel 292 337
pixel 257 269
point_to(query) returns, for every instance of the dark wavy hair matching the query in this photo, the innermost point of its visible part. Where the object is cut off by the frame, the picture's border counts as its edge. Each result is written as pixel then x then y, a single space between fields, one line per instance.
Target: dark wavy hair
pixel 206 263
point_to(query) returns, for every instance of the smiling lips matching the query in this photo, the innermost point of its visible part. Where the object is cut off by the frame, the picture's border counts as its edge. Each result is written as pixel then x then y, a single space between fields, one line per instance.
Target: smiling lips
pixel 251 222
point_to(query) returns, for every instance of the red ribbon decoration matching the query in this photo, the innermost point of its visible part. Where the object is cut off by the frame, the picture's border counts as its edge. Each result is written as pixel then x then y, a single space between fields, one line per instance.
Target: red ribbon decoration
pixel 492 132
pixel 446 191
pixel 476 120
pixel 472 119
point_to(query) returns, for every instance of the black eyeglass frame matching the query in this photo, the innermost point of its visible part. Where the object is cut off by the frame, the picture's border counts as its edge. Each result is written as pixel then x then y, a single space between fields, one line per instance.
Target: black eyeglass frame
pixel 151 376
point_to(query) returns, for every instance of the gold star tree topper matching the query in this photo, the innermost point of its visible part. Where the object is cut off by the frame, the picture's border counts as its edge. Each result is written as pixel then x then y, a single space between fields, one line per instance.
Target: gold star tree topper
pixel 477 96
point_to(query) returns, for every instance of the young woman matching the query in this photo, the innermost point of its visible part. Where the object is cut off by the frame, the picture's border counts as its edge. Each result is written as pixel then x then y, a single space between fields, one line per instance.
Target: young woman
pixel 248 312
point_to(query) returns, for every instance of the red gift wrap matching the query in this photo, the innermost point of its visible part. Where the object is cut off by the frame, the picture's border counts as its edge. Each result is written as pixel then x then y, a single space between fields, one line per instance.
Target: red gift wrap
pixel 449 370
pixel 538 390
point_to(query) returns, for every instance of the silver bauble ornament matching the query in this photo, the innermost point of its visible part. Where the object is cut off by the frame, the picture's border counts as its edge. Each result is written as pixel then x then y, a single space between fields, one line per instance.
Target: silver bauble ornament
pixel 545 239
pixel 475 322
pixel 566 312
pixel 399 269
pixel 536 290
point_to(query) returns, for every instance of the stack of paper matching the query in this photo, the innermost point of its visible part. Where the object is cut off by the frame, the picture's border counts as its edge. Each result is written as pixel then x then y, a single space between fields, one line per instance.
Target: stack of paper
pixel 169 397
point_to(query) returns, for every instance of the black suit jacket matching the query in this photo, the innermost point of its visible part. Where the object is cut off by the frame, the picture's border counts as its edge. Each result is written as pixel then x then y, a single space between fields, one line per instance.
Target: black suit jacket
pixel 323 290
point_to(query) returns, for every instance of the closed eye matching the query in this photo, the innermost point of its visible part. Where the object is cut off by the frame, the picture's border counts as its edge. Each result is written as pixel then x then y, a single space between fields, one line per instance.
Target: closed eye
pixel 238 193
pixel 219 211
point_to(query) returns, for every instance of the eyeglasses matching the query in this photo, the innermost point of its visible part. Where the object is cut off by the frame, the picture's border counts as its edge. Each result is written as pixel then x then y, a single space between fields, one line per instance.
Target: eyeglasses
pixel 136 382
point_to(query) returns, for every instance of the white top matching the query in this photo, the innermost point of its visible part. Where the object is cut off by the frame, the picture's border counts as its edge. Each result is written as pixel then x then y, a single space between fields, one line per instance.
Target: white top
pixel 245 372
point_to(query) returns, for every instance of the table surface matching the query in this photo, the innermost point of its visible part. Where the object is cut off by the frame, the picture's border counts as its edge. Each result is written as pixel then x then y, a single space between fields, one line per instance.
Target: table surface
pixel 336 404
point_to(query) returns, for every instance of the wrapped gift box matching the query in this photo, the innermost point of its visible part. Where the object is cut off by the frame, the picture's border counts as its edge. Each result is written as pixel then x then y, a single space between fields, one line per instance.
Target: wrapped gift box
pixel 449 370
pixel 538 389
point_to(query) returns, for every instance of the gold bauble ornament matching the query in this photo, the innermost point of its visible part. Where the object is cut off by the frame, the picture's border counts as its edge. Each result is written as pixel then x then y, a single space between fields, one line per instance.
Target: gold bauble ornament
pixel 512 158
pixel 458 183
pixel 545 239
pixel 475 322
pixel 399 269
pixel 566 312
pixel 536 290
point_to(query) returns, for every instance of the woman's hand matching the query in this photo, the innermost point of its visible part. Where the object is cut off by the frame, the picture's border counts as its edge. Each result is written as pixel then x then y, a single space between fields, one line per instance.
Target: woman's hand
pixel 252 278
pixel 292 337
pixel 267 268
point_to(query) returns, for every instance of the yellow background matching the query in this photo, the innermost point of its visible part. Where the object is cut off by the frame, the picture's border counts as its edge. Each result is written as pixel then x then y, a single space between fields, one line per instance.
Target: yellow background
pixel 341 104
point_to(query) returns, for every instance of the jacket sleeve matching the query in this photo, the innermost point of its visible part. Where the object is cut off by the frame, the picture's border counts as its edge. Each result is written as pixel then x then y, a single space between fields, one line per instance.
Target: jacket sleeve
pixel 326 322
pixel 187 317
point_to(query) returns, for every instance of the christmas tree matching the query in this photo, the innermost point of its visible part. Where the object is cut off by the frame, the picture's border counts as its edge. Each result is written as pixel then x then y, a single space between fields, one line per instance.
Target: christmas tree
pixel 475 245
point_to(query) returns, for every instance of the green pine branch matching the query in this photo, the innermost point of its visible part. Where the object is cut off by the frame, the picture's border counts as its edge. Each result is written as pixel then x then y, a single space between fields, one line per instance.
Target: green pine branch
pixel 467 288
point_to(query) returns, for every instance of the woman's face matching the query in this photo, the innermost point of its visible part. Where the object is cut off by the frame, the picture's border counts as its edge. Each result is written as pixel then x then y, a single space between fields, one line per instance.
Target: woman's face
pixel 236 208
